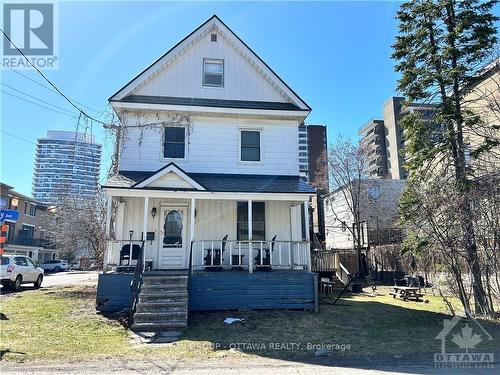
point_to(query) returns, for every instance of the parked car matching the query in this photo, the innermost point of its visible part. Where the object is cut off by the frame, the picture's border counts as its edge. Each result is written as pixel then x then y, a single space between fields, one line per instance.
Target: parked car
pixel 19 269
pixel 55 265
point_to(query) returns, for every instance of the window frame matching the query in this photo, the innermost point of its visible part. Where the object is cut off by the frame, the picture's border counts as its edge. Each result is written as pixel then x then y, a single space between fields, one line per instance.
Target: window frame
pixel 240 145
pixel 244 236
pixel 213 60
pixel 163 142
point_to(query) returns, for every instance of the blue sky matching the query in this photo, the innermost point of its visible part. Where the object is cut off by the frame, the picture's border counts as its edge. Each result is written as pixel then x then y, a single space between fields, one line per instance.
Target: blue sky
pixel 335 55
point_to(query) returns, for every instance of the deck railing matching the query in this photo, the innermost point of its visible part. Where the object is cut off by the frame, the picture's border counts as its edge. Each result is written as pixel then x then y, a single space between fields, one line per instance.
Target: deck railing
pixel 113 256
pixel 323 261
pixel 250 255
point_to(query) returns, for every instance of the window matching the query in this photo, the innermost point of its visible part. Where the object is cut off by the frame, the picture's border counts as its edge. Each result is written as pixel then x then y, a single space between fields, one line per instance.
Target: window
pixel 21 261
pixel 25 207
pixel 174 143
pixel 32 210
pixel 213 72
pixel 213 37
pixel 250 145
pixel 258 221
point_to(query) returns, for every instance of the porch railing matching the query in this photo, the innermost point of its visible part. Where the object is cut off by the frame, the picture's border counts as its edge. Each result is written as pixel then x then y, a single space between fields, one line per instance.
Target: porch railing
pixel 250 255
pixel 122 253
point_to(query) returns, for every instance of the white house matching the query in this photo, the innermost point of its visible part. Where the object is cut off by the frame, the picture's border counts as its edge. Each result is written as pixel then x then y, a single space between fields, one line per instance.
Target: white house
pixel 208 167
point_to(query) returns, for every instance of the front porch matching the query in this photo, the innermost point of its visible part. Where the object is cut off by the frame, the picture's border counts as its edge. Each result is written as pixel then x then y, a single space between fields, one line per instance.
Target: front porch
pixel 209 234
pixel 240 241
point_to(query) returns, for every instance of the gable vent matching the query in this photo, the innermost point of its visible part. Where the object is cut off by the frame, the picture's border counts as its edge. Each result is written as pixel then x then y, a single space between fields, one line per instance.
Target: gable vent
pixel 213 37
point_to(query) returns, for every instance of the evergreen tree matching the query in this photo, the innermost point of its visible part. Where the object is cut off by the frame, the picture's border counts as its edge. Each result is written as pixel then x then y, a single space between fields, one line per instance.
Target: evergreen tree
pixel 439 50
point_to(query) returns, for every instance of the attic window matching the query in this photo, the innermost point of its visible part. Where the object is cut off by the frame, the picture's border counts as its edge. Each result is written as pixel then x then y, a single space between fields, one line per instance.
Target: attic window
pixel 213 72
pixel 213 37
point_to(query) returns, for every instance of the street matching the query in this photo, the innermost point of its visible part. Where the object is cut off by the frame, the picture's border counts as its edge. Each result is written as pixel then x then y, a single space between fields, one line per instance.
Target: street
pixel 70 278
pixel 67 278
pixel 240 366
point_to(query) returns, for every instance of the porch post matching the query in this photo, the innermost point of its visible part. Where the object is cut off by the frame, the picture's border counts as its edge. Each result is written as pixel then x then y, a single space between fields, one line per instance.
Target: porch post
pixel 308 245
pixel 145 230
pixel 109 207
pixel 193 211
pixel 306 219
pixel 191 233
pixel 250 257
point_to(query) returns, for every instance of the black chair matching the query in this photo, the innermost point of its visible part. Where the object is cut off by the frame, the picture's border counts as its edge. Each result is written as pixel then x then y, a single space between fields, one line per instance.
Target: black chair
pixel 125 253
pixel 266 259
pixel 217 254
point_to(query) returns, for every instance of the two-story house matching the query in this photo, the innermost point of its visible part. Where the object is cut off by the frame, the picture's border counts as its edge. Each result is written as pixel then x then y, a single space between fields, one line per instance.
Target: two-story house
pixel 209 179
pixel 26 235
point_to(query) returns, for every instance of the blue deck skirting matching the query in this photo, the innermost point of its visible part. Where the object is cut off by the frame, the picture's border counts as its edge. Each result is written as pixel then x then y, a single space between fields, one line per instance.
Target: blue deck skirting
pixel 113 291
pixel 226 290
pixel 229 290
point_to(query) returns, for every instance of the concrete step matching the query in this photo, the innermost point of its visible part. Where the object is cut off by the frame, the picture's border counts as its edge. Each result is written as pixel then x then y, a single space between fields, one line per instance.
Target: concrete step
pixel 162 288
pixel 159 326
pixel 161 306
pixel 164 297
pixel 169 316
pixel 160 281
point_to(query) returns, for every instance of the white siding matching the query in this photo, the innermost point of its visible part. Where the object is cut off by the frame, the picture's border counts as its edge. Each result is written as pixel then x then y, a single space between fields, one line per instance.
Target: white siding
pixel 214 219
pixel 183 77
pixel 213 146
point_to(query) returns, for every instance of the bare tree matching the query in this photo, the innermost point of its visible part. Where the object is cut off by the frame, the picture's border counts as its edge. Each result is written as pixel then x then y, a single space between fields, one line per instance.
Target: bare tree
pixel 346 170
pixel 76 226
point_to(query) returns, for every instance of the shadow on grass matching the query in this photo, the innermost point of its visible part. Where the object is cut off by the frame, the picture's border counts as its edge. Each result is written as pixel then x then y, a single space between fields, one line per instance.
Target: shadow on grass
pixel 361 334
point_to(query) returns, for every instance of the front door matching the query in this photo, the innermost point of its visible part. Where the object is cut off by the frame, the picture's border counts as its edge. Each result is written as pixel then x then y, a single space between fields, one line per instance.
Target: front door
pixel 172 244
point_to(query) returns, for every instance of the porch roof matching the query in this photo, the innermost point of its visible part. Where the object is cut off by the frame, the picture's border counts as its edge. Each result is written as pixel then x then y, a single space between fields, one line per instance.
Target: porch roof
pixel 243 183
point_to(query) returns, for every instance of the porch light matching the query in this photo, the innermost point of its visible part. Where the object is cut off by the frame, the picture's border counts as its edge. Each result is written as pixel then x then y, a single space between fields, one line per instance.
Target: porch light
pixel 153 212
pixel 130 232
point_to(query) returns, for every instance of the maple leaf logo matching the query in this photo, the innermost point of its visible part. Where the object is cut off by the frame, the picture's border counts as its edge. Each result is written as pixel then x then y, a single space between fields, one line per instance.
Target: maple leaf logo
pixel 466 340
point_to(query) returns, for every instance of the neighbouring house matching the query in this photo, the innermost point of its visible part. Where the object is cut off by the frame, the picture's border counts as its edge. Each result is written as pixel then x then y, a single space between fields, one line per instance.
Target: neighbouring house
pixel 378 209
pixel 210 211
pixel 26 235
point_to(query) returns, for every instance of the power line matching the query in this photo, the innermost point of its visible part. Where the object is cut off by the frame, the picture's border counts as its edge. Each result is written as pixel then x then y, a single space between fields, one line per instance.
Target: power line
pixel 16 136
pixel 51 84
pixel 34 97
pixel 40 105
pixel 48 88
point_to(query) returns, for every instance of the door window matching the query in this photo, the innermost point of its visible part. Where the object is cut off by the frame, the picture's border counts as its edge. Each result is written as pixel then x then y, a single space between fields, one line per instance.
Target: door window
pixel 172 228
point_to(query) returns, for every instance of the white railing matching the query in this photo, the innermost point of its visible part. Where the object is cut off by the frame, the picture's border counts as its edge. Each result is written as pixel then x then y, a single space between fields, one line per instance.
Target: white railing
pixel 250 255
pixel 116 257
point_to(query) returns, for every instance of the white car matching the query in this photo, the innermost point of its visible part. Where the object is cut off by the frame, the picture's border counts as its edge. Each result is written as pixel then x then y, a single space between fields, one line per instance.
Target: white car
pixel 55 265
pixel 19 269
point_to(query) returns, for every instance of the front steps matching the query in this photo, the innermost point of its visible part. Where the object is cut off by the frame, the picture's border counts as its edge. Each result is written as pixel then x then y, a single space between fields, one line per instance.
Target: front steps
pixel 163 304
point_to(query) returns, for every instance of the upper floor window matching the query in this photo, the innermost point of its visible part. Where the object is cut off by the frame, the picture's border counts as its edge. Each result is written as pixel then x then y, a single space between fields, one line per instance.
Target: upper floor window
pixel 213 72
pixel 174 142
pixel 250 145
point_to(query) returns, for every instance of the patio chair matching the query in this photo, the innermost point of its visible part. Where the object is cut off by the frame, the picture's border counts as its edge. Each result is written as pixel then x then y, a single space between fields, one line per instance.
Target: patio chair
pixel 266 259
pixel 125 253
pixel 218 253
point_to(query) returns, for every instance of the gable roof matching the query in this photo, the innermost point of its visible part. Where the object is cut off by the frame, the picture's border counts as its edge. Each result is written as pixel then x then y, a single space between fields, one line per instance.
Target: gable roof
pixel 169 168
pixel 210 24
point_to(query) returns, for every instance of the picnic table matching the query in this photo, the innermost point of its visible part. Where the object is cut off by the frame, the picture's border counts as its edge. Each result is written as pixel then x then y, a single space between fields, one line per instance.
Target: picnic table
pixel 407 292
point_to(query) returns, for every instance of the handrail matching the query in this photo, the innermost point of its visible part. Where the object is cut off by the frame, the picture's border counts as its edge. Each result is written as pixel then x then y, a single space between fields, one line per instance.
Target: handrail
pixel 343 274
pixel 136 283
